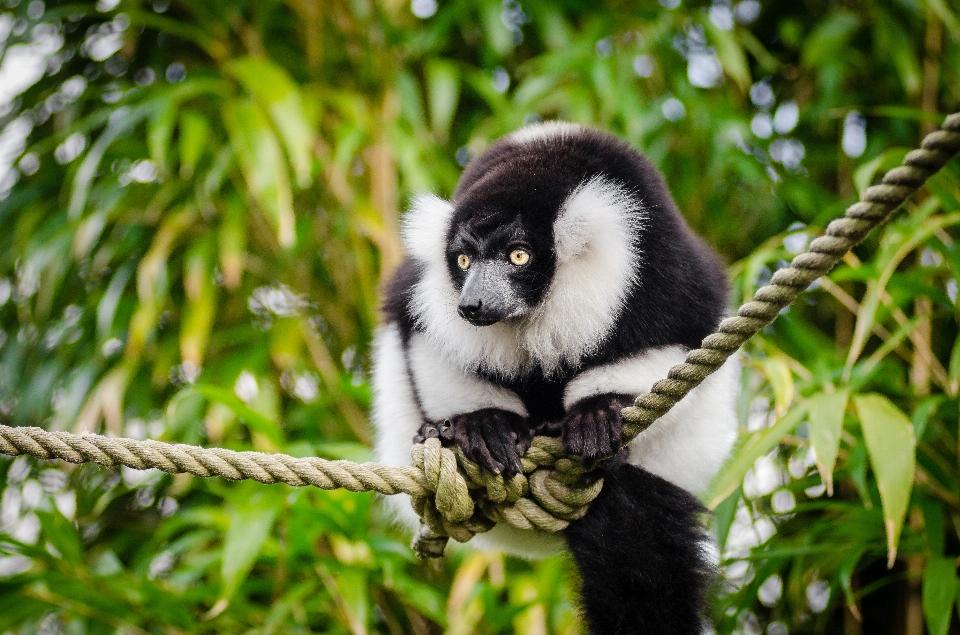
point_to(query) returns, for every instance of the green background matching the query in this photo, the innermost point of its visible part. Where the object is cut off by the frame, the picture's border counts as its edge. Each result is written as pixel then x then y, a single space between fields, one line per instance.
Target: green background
pixel 199 201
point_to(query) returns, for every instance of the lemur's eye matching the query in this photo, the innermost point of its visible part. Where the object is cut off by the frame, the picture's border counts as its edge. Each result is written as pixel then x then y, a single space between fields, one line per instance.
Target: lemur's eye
pixel 519 256
pixel 463 261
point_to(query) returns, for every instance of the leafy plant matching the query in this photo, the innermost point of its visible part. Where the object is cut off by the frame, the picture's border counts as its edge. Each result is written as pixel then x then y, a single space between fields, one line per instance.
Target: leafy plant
pixel 199 201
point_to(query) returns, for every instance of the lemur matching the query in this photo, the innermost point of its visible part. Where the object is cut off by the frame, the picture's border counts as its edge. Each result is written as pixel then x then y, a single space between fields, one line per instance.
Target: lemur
pixel 556 285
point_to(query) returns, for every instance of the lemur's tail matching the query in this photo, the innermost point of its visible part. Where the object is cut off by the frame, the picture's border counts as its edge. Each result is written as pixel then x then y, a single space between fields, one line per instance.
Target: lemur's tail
pixel 641 553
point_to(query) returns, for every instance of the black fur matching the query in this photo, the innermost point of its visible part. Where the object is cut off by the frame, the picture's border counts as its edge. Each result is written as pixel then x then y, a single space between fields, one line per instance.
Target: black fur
pixel 640 552
pixel 592 428
pixel 682 293
pixel 639 548
pixel 491 437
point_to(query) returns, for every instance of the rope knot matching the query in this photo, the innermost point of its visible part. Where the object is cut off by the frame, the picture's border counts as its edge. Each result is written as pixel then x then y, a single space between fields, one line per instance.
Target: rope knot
pixel 465 499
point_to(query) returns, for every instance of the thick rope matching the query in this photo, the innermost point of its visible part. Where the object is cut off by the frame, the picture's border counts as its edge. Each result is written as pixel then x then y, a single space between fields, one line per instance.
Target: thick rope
pixel 455 497
pixel 842 234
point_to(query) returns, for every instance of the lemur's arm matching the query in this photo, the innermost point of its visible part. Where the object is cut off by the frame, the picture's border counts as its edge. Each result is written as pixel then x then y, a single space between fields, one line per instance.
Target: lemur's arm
pixel 488 422
pixel 593 399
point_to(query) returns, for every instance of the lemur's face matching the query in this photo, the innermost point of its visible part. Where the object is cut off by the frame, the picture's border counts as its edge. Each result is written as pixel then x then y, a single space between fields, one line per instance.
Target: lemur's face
pixel 500 268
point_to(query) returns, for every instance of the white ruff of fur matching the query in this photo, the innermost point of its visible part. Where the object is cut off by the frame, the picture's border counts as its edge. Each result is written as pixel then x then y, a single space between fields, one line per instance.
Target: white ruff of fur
pixel 544 131
pixel 597 261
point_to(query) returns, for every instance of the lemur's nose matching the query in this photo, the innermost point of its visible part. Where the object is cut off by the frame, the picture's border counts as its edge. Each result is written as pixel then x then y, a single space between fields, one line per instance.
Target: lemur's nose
pixel 470 309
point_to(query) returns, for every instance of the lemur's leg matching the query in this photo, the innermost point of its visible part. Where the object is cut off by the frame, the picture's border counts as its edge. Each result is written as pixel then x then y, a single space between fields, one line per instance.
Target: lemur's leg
pixel 640 551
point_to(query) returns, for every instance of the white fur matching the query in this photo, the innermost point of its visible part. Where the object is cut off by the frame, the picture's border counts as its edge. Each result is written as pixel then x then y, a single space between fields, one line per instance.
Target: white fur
pixel 596 233
pixel 424 231
pixel 687 445
pixel 446 390
pixel 543 131
pixel 395 415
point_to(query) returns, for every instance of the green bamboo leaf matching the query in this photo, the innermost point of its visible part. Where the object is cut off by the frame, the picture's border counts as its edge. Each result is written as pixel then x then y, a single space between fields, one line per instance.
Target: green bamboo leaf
pixel 443 93
pixel 194 137
pixel 351 587
pixel 778 374
pixel 954 368
pixel 747 453
pixel 723 517
pixel 262 164
pixel 18 609
pixel 118 126
pixel 200 309
pixel 889 158
pixel 731 54
pixel 107 308
pixel 897 245
pixel 825 412
pixel 950 20
pixel 934 524
pixel 891 445
pixel 939 592
pixel 421 597
pixel 828 41
pixel 61 533
pixel 255 420
pixel 250 524
pixel 160 127
pixel 275 89
pixel 232 239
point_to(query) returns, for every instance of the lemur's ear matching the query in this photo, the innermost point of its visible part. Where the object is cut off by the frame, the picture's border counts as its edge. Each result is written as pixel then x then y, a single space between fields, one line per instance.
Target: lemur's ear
pixel 598 215
pixel 424 228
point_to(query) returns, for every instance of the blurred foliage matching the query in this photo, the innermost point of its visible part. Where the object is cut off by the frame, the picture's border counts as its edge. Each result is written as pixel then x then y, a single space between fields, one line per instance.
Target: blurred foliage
pixel 200 199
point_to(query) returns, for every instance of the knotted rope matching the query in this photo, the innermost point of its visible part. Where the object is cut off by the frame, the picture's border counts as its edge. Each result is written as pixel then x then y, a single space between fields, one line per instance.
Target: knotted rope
pixel 455 497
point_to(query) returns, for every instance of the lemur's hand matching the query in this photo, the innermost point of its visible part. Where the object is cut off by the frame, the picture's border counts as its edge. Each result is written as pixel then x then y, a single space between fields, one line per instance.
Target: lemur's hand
pixel 592 427
pixel 494 439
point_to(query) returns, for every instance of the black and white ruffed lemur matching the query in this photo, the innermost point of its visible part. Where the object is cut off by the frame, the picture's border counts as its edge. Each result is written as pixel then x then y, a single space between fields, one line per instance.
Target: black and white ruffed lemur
pixel 557 284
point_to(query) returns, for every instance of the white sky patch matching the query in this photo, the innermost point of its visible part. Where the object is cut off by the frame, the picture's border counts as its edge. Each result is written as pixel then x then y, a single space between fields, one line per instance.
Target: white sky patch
pixel 643 65
pixel 142 171
pixel 673 109
pixel 501 79
pixel 6 25
pixel 423 9
pixel 818 596
pixel 789 152
pixel 796 242
pixel 71 89
pixel 13 139
pixel 24 64
pixel 246 387
pixel 771 590
pixel 747 11
pixel 104 42
pixel 764 478
pixel 762 95
pixel 70 149
pixel 721 16
pixel 762 125
pixel 703 69
pixel 306 387
pixel 854 134
pixel 783 501
pixel 786 117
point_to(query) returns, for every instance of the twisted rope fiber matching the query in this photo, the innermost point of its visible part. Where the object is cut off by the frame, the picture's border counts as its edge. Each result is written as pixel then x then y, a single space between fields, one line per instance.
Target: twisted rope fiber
pixel 454 496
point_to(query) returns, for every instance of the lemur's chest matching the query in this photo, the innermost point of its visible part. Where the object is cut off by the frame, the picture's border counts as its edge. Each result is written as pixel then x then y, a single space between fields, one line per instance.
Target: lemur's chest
pixel 542 396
